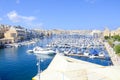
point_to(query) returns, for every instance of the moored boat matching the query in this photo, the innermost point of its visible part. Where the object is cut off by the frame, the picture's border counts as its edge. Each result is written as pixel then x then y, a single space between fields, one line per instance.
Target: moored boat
pixel 40 50
pixel 29 51
pixel 101 54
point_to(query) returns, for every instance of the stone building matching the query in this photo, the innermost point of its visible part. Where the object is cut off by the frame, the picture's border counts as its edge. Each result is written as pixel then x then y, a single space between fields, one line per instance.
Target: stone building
pixel 16 34
pixel 106 32
pixel 3 29
pixel 116 32
pixel 97 34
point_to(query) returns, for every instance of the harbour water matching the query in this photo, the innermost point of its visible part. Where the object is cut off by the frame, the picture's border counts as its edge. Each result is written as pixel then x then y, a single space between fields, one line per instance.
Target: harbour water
pixel 16 64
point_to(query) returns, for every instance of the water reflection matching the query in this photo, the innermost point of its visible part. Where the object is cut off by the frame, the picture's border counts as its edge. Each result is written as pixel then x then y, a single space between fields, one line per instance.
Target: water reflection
pixel 11 53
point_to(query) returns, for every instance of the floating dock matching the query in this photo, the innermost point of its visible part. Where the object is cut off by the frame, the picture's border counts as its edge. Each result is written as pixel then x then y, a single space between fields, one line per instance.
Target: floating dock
pixel 66 68
pixel 97 57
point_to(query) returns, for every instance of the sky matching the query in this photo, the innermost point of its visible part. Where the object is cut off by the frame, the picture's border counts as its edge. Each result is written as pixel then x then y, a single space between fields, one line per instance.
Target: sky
pixel 61 14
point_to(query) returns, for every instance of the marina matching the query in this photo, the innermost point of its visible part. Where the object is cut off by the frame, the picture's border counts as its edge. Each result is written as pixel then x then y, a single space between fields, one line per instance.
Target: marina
pixel 59 40
pixel 83 48
pixel 72 60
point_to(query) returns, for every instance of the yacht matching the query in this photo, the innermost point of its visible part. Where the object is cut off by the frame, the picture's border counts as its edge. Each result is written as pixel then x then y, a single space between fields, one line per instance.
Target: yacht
pixel 40 50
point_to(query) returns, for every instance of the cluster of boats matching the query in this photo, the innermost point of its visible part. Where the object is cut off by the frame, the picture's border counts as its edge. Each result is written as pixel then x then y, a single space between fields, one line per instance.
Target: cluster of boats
pixel 33 41
pixel 86 46
pixel 72 45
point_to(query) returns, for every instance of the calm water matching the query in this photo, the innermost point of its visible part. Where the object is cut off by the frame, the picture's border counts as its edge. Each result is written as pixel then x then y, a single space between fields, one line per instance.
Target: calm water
pixel 103 62
pixel 16 64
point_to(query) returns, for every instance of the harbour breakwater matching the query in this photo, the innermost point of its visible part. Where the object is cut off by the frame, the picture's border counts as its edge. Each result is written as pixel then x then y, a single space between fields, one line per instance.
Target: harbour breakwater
pixel 66 68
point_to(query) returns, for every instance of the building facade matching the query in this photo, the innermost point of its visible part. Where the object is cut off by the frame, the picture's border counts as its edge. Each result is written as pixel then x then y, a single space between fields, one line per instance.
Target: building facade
pixel 16 34
pixel 106 32
pixel 97 34
pixel 3 29
pixel 116 32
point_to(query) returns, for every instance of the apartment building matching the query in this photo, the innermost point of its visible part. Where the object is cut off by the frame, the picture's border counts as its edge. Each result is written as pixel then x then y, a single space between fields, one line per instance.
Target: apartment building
pixel 115 32
pixel 106 32
pixel 16 34
pixel 3 29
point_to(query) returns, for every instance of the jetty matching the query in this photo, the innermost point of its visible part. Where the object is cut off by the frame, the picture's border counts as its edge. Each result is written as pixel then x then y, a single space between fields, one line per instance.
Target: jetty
pixel 66 68
pixel 81 55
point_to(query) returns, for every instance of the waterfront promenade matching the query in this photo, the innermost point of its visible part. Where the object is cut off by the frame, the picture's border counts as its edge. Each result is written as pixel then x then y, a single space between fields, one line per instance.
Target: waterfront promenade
pixel 66 68
pixel 114 58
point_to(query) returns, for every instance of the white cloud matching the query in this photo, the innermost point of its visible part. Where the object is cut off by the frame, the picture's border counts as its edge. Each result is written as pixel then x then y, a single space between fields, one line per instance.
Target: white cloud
pixel 0 19
pixel 17 1
pixel 15 17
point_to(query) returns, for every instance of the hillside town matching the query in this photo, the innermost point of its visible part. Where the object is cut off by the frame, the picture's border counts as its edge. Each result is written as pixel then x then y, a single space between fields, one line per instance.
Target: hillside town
pixel 14 34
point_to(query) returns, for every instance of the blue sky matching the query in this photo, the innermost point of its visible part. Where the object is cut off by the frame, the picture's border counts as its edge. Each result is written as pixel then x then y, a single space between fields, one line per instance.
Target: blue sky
pixel 61 14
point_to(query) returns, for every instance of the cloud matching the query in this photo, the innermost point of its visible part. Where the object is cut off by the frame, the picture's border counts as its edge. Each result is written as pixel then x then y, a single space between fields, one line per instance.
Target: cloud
pixel 0 19
pixel 17 1
pixel 15 17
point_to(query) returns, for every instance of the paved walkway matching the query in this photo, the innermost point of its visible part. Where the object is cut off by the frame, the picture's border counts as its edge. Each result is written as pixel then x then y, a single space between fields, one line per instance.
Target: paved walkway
pixel 65 68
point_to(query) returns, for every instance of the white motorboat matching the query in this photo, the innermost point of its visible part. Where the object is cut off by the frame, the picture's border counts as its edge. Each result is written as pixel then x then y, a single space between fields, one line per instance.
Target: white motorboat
pixel 66 52
pixel 8 45
pixel 29 51
pixel 92 56
pixel 40 50
pixel 86 54
pixel 101 54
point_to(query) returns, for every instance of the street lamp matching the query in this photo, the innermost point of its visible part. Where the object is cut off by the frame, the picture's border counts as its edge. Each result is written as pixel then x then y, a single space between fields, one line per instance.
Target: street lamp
pixel 38 64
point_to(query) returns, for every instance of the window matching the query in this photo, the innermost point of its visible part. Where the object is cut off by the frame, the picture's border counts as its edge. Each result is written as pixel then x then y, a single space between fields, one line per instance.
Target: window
pixel 13 34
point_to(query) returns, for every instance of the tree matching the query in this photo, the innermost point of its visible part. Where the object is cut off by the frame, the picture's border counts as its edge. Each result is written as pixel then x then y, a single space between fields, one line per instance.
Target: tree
pixel 106 37
pixel 21 38
pixel 117 49
pixel 110 42
pixel 116 37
